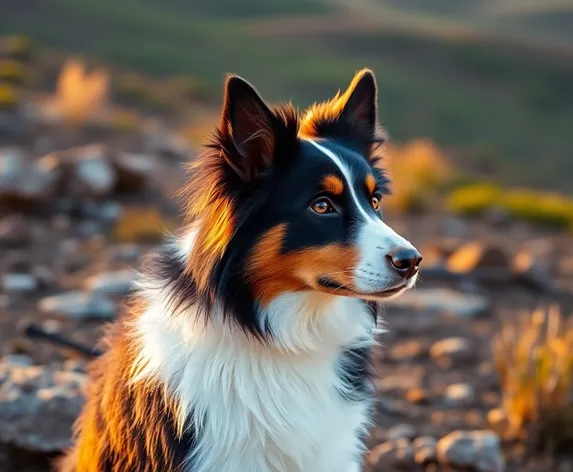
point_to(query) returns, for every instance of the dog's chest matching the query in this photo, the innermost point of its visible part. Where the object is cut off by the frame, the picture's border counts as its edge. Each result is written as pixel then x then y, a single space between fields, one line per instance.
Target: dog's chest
pixel 295 421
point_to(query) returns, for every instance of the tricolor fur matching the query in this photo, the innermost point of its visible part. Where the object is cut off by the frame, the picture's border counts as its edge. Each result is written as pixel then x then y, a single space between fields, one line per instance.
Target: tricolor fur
pixel 246 346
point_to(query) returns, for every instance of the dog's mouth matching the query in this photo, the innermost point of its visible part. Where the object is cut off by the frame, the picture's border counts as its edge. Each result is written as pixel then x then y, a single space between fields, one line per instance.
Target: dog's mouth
pixel 339 289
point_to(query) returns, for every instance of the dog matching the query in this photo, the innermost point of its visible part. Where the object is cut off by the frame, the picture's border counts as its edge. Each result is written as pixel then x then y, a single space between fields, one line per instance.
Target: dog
pixel 245 346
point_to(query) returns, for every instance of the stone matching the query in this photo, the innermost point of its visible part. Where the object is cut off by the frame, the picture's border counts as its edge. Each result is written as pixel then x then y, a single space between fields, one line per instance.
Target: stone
pixel 112 283
pixel 408 351
pixel 79 306
pixel 14 232
pixel 478 450
pixel 486 261
pixel 134 171
pixel 417 395
pixel 425 450
pixel 402 378
pixel 453 351
pixel 93 174
pixel 127 252
pixel 38 406
pixel 400 431
pixel 459 395
pixel 443 301
pixel 19 283
pixel 530 272
pixel 398 453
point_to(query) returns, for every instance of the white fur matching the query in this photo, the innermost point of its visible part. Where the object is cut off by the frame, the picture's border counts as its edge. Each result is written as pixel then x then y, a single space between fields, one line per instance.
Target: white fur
pixel 375 239
pixel 260 408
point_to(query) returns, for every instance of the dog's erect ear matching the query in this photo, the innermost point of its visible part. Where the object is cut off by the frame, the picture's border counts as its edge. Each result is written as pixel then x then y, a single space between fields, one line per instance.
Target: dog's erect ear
pixel 248 121
pixel 352 115
pixel 359 103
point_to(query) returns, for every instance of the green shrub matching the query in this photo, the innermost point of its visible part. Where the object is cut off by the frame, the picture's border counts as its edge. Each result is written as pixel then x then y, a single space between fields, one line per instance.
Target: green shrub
pixel 545 208
pixel 11 71
pixel 16 47
pixel 473 199
pixel 8 96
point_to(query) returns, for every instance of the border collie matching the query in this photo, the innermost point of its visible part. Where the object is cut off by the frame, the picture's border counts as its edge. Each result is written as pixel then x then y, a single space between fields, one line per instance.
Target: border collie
pixel 246 345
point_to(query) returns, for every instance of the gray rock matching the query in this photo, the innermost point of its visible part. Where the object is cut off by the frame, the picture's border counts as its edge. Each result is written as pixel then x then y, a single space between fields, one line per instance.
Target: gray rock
pixel 398 453
pixel 38 406
pixel 425 449
pixel 93 173
pixel 477 450
pixel 400 431
pixel 19 283
pixel 443 301
pixel 128 252
pixel 112 283
pixel 531 272
pixel 459 395
pixel 79 305
pixel 454 351
pixel 15 232
pixel 134 171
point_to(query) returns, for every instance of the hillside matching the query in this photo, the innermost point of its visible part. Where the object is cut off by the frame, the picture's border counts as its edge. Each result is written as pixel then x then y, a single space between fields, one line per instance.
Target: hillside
pixel 489 80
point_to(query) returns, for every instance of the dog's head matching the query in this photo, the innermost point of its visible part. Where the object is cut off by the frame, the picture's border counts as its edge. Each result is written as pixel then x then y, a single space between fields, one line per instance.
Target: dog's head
pixel 286 204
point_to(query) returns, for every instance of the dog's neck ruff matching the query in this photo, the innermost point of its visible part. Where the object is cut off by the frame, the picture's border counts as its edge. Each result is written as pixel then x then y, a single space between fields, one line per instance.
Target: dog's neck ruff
pixel 262 406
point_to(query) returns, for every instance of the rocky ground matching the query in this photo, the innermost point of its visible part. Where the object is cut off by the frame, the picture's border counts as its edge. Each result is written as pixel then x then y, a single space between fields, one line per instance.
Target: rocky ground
pixel 64 266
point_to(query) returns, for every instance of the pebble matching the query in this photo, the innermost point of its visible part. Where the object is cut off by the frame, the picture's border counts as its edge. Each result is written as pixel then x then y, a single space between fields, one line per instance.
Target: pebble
pixel 443 301
pixel 408 351
pixel 400 431
pixel 14 232
pixel 417 395
pixel 112 283
pixel 78 305
pixel 94 174
pixel 128 252
pixel 449 352
pixel 479 450
pixel 397 453
pixel 19 283
pixel 425 449
pixel 459 395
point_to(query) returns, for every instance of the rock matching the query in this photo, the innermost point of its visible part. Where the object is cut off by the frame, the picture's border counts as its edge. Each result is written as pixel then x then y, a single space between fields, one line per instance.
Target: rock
pixel 531 273
pixel 112 283
pixel 134 171
pixel 127 252
pixel 38 406
pixel 408 351
pixel 401 379
pixel 417 395
pixel 459 395
pixel 443 301
pixel 17 359
pixel 110 211
pixel 400 431
pixel 93 173
pixel 22 180
pixel 76 365
pixel 497 417
pixel 449 352
pixel 19 283
pixel 425 449
pixel 46 277
pixel 14 232
pixel 78 305
pixel 487 262
pixel 477 450
pixel 398 453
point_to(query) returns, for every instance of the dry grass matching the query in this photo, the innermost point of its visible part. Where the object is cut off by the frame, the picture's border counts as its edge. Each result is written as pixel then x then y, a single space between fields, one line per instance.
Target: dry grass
pixel 417 169
pixel 81 95
pixel 142 224
pixel 8 96
pixel 534 361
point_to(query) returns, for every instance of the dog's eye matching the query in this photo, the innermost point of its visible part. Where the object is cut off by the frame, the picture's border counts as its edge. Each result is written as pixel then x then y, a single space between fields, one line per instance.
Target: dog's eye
pixel 322 206
pixel 375 203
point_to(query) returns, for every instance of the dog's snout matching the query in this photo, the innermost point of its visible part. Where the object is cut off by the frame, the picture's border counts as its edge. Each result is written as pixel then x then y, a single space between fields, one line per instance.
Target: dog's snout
pixel 405 262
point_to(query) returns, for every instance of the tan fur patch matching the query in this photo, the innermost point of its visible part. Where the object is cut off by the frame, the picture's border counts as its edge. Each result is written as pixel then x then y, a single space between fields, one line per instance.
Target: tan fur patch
pixel 272 273
pixel 333 184
pixel 370 183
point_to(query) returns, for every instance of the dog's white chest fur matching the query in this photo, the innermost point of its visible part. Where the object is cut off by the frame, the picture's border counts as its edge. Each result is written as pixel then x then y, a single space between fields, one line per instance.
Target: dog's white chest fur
pixel 257 409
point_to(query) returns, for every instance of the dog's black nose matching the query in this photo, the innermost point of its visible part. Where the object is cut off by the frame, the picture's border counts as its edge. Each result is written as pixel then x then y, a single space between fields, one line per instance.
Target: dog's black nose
pixel 405 262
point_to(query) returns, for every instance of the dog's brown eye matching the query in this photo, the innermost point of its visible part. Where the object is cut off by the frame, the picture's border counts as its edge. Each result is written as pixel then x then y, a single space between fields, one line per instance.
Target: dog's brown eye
pixel 322 206
pixel 375 203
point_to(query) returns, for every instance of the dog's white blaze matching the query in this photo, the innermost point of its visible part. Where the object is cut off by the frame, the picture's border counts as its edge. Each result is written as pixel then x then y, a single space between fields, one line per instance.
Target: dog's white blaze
pixel 347 176
pixel 375 239
pixel 259 408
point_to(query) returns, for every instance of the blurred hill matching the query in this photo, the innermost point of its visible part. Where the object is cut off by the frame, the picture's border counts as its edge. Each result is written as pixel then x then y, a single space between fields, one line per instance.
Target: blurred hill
pixel 487 79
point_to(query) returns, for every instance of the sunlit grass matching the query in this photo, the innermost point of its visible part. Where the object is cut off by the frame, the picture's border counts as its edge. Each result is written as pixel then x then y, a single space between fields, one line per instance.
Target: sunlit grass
pixel 534 360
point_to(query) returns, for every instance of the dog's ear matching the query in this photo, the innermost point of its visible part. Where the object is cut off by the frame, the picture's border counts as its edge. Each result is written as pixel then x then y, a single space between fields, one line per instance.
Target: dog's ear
pixel 352 115
pixel 359 104
pixel 249 123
